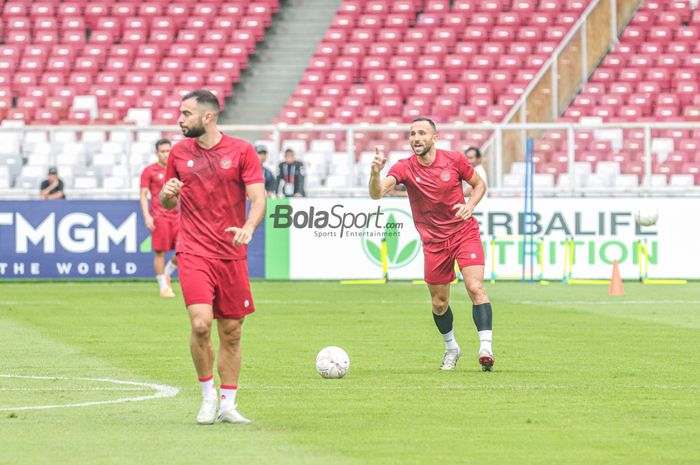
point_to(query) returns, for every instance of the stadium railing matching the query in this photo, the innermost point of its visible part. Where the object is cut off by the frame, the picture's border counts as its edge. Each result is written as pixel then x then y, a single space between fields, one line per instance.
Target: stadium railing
pixel 351 168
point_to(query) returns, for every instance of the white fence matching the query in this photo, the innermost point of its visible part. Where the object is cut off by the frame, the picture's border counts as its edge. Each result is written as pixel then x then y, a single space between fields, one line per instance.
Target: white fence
pixel 123 151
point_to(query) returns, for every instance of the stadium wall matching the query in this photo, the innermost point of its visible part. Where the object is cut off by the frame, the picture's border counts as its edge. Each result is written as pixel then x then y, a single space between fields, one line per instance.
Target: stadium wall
pixel 340 238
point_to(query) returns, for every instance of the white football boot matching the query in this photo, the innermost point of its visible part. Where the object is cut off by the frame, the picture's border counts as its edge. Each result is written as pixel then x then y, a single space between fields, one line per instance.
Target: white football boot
pixel 231 415
pixel 207 412
pixel 486 360
pixel 449 360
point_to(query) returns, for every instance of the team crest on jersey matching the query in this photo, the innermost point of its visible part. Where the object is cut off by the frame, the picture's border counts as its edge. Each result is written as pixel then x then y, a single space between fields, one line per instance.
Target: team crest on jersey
pixel 445 175
pixel 417 179
pixel 190 163
pixel 225 163
pixel 160 176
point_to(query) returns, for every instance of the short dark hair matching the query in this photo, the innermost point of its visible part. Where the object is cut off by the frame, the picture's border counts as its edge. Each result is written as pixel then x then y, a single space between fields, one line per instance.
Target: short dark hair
pixel 423 118
pixel 203 97
pixel 475 149
pixel 163 141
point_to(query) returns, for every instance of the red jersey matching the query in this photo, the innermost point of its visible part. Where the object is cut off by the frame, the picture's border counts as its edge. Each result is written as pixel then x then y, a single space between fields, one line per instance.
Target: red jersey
pixel 433 191
pixel 213 195
pixel 153 178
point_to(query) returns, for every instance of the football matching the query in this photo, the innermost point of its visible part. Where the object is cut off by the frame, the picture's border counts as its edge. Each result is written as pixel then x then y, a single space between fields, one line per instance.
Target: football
pixel 646 216
pixel 332 362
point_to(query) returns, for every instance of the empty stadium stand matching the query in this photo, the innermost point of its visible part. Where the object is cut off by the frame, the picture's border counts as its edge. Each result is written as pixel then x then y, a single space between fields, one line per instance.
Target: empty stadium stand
pixel 650 76
pixel 389 61
pixel 125 54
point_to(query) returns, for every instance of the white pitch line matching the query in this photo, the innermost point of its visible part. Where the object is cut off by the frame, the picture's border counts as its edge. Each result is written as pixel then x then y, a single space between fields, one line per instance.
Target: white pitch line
pixel 71 389
pixel 605 302
pixel 162 391
pixel 330 384
pixel 515 302
pixel 32 302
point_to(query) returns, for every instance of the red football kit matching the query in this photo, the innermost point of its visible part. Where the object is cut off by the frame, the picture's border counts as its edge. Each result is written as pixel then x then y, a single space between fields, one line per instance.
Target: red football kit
pixel 213 197
pixel 433 191
pixel 167 222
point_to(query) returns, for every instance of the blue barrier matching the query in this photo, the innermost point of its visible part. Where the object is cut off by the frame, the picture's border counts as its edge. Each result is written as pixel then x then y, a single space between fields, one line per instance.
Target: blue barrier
pixel 84 239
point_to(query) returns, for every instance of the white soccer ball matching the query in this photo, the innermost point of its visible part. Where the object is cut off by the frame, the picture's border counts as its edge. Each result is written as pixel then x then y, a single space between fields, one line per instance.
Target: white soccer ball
pixel 332 362
pixel 646 216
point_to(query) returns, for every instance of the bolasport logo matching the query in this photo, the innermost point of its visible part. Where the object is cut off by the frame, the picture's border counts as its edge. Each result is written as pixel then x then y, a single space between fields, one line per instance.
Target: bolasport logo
pixel 335 221
pixel 371 227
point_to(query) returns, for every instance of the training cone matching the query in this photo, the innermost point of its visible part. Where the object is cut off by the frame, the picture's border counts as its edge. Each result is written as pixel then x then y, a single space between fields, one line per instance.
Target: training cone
pixel 616 287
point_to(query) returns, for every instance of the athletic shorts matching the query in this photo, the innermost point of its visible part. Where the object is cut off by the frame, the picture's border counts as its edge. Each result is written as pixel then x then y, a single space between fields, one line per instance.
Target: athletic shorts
pixel 164 235
pixel 223 284
pixel 440 257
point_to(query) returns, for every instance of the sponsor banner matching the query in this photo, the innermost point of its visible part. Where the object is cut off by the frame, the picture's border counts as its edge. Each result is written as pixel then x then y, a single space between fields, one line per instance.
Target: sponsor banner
pixel 342 238
pixel 91 239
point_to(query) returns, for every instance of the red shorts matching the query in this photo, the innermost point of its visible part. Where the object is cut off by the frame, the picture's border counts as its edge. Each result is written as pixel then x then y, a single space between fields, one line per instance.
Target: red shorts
pixel 440 257
pixel 223 284
pixel 164 235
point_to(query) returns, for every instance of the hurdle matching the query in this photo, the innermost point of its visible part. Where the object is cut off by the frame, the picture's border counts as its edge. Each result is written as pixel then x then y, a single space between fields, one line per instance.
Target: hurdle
pixel 385 270
pixel 569 260
pixel 643 257
pixel 536 247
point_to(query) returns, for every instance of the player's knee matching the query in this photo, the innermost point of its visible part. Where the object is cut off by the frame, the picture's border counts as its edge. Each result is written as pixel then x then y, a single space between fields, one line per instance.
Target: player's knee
pixel 439 305
pixel 232 335
pixel 201 329
pixel 475 288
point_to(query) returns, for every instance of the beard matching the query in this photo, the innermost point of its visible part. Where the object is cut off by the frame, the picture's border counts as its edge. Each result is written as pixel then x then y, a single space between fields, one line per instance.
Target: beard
pixel 194 131
pixel 424 152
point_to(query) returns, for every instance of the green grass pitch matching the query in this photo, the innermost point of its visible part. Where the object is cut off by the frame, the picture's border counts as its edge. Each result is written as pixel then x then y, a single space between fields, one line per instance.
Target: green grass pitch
pixel 580 377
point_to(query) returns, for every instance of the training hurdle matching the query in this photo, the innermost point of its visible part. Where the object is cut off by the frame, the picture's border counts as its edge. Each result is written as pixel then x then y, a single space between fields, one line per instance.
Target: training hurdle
pixel 530 246
pixel 569 261
pixel 643 254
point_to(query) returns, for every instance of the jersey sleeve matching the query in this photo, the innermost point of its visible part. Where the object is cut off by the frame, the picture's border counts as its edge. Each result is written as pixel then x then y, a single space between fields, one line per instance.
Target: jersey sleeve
pixel 145 178
pixel 466 170
pixel 170 170
pixel 251 169
pixel 398 171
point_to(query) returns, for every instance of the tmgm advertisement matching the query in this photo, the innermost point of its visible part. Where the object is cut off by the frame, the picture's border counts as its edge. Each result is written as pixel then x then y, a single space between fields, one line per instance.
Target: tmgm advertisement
pixel 84 239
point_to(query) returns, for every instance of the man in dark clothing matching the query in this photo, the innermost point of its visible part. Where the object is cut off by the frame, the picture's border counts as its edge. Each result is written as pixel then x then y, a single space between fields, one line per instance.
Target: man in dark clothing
pixel 52 187
pixel 270 181
pixel 291 176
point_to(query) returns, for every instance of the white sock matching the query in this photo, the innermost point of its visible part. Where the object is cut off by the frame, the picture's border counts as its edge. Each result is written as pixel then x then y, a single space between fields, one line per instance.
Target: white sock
pixel 208 388
pixel 450 341
pixel 228 397
pixel 485 339
pixel 170 269
pixel 162 281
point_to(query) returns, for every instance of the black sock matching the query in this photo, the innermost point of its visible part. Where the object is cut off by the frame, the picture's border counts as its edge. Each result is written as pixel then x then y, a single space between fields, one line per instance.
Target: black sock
pixel 444 321
pixel 482 316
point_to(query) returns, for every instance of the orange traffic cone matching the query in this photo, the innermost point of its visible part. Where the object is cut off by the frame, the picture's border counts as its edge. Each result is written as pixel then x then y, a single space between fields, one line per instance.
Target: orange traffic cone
pixel 616 282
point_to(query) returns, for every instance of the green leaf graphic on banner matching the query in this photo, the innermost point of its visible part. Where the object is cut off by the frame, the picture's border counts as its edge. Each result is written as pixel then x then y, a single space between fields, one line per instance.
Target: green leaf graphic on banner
pixel 407 251
pixel 374 250
pixel 392 241
pixel 146 246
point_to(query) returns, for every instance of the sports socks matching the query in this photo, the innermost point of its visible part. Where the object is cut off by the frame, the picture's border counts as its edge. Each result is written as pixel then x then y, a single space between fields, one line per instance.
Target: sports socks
pixel 170 268
pixel 483 316
pixel 228 397
pixel 444 325
pixel 162 281
pixel 208 388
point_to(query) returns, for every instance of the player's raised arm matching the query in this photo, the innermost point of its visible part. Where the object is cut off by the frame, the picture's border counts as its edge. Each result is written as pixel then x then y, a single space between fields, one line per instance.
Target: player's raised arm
pixel 379 187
